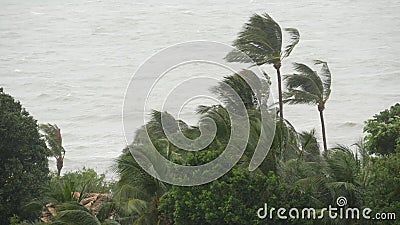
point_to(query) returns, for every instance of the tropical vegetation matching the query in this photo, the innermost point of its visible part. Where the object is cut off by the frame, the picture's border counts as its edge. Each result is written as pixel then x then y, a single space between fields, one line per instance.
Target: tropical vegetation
pixel 296 172
pixel 261 41
pixel 308 87
pixel 24 167
pixel 52 135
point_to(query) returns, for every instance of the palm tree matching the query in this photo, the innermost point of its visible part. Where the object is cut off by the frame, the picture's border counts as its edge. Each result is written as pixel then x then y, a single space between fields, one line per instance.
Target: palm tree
pixel 340 172
pixel 52 135
pixel 310 151
pixel 308 87
pixel 252 91
pixel 74 213
pixel 137 194
pixel 261 41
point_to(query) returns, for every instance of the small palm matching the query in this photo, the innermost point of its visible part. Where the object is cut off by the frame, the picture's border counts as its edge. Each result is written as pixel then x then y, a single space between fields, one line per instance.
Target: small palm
pixel 309 87
pixel 52 135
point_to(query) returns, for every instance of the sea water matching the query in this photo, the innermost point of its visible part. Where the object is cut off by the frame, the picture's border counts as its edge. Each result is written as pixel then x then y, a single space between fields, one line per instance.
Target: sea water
pixel 69 62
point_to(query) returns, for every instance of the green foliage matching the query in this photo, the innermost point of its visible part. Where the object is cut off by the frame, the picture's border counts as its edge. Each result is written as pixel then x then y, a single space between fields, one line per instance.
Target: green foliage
pixel 52 135
pixel 383 132
pixel 232 199
pixel 261 40
pixel 23 160
pixel 241 88
pixel 239 85
pixel 74 213
pixel 68 194
pixel 15 220
pixel 93 182
pixel 137 193
pixel 62 188
pixel 340 172
pixel 309 146
pixel 294 174
pixel 53 138
pixel 307 86
pixel 383 191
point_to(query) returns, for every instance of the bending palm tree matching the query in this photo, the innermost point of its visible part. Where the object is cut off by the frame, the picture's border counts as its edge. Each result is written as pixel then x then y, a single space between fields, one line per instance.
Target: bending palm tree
pixel 137 194
pixel 307 87
pixel 261 40
pixel 52 134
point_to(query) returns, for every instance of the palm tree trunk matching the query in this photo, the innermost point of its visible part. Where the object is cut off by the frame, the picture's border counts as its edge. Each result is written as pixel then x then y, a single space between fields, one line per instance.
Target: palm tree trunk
pixel 278 72
pixel 321 115
pixel 60 164
pixel 277 66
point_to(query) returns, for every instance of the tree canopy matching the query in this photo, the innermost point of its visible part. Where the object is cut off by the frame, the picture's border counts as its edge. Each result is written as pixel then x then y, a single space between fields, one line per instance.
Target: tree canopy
pixel 23 159
pixel 383 131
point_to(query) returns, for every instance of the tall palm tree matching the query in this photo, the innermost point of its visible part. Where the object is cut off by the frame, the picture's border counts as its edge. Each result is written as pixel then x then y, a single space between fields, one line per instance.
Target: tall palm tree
pixel 261 41
pixel 308 87
pixel 52 135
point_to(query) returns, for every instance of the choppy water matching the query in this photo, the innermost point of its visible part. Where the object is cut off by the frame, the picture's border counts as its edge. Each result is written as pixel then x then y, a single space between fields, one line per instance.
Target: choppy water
pixel 69 63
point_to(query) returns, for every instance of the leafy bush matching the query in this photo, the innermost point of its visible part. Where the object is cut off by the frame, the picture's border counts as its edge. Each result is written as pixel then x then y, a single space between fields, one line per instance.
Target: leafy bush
pixel 383 131
pixel 383 192
pixel 23 160
pixel 233 199
pixel 89 178
pixel 62 188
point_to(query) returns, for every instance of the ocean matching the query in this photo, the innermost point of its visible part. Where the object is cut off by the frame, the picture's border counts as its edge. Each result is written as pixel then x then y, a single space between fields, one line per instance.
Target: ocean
pixel 70 62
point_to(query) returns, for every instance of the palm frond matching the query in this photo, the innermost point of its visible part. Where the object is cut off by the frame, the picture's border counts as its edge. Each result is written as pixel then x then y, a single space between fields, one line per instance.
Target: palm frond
pixel 294 40
pixel 293 96
pixel 348 187
pixel 203 109
pixel 53 138
pixel 342 164
pixel 137 206
pixel 260 39
pixel 314 182
pixel 110 222
pixel 307 71
pixel 76 217
pixel 232 87
pixel 325 77
pixel 309 146
pixel 304 83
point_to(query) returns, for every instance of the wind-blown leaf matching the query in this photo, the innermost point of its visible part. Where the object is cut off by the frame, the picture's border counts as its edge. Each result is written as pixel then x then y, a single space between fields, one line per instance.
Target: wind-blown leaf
pixel 308 72
pixel 76 217
pixel 53 139
pixel 304 83
pixel 110 222
pixel 325 77
pixel 294 96
pixel 294 40
pixel 260 39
